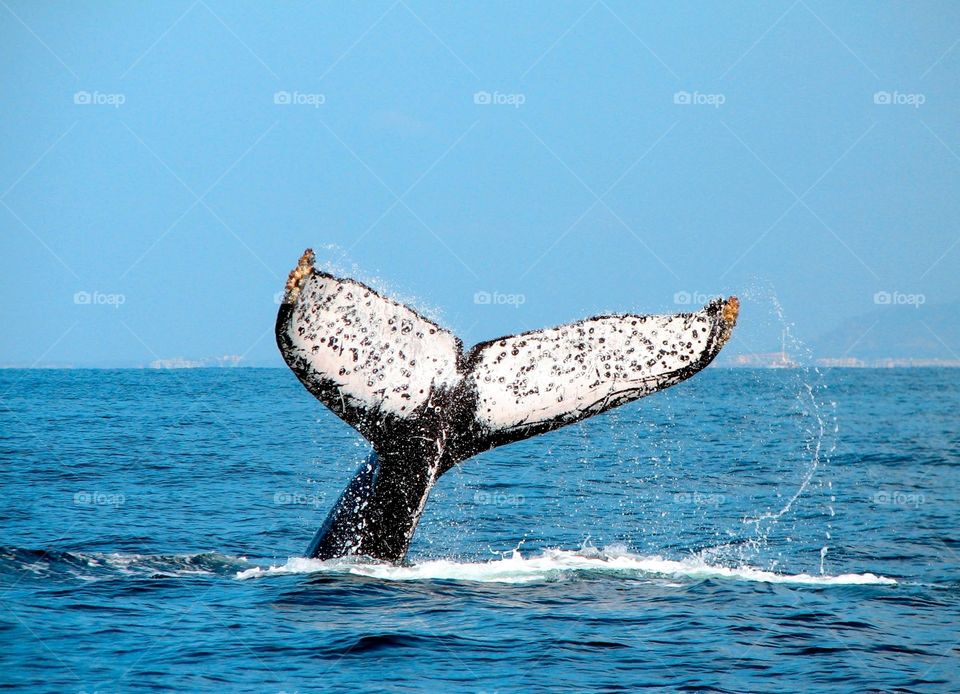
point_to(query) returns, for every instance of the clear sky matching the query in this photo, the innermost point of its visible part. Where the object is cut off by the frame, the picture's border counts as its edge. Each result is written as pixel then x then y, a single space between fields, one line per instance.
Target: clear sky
pixel 165 164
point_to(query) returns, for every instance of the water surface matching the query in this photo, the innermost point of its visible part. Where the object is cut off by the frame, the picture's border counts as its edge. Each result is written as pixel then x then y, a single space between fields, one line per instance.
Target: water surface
pixel 743 531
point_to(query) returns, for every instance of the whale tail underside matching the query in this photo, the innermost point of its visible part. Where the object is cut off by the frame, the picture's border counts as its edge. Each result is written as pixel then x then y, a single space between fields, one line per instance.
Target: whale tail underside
pixel 408 386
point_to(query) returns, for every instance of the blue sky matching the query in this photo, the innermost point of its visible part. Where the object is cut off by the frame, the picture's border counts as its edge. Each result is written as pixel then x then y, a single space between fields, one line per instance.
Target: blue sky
pixel 169 162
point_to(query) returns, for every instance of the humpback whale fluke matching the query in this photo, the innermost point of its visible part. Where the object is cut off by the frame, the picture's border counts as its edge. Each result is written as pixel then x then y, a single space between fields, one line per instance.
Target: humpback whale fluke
pixel 425 404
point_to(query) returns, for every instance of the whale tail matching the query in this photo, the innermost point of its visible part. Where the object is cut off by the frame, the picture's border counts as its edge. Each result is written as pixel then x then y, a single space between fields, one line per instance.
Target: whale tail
pixel 425 404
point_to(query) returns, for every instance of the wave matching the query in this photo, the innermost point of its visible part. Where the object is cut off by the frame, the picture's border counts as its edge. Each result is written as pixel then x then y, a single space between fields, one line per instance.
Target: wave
pixel 92 566
pixel 555 564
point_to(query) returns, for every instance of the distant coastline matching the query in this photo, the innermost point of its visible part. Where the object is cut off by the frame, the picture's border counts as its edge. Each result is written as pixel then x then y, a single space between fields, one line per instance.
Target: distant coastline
pixel 782 360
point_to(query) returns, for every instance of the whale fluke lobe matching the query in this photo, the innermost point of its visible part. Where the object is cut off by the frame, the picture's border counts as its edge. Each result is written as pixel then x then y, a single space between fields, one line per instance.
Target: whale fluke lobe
pixel 408 386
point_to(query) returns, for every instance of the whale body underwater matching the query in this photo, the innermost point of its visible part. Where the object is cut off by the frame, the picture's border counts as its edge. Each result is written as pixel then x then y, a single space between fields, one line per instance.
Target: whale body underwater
pixel 425 404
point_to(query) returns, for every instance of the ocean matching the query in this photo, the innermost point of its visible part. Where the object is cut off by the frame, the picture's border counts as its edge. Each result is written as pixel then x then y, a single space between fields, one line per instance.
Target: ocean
pixel 744 531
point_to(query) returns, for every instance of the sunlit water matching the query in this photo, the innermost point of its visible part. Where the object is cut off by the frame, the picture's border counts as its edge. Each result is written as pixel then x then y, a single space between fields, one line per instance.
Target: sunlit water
pixel 744 531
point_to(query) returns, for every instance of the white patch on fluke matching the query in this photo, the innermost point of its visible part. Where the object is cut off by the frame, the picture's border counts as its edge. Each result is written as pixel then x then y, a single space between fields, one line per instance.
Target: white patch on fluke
pixel 379 353
pixel 559 372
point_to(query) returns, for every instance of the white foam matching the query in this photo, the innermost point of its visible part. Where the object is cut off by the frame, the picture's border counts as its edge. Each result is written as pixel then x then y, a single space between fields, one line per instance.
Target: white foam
pixel 554 564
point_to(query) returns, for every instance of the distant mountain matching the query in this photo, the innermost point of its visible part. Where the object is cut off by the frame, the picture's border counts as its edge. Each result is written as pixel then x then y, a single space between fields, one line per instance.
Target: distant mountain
pixel 895 332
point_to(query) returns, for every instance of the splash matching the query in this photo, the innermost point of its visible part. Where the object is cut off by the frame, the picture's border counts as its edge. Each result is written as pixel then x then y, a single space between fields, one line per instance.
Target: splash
pixel 555 565
pixel 815 406
pixel 337 260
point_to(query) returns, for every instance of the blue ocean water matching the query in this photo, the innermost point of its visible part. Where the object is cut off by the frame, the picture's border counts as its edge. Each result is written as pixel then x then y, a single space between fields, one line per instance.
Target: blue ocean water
pixel 743 531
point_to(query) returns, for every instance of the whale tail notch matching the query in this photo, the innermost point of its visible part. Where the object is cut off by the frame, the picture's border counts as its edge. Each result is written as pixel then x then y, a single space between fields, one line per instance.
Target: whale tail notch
pixel 407 385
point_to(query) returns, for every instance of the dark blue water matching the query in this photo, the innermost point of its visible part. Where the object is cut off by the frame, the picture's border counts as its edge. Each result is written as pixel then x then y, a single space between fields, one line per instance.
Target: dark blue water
pixel 744 531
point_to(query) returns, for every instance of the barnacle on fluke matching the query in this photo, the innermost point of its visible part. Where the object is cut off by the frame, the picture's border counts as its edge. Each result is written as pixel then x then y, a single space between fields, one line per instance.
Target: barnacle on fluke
pixel 298 276
pixel 426 404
